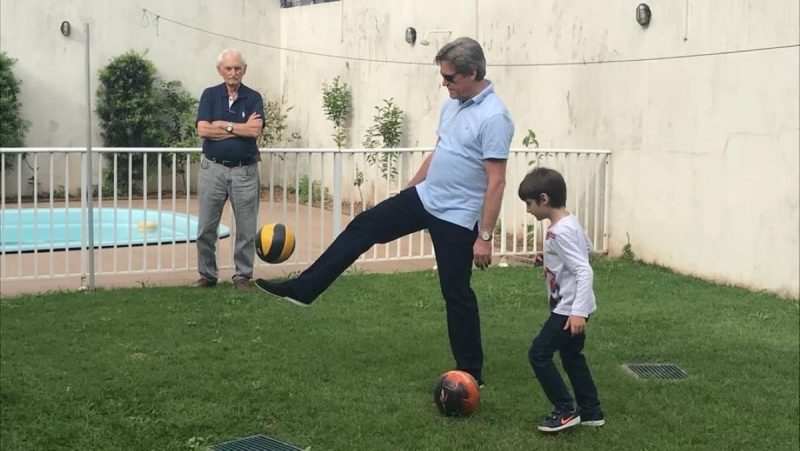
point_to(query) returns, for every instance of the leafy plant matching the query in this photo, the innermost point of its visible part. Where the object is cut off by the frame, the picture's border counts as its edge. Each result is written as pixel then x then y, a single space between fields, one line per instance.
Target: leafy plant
pixel 357 182
pixel 12 126
pixel 275 115
pixel 179 118
pixel 386 131
pixel 529 140
pixel 337 104
pixel 137 109
pixel 627 251
pixel 313 187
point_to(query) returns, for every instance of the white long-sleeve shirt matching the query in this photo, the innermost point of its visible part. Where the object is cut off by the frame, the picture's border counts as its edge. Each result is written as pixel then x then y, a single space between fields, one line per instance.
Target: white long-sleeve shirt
pixel 568 275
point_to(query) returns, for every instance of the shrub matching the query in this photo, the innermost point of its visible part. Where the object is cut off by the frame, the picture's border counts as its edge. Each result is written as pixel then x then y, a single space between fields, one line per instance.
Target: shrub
pixel 313 188
pixel 12 126
pixel 137 109
pixel 275 115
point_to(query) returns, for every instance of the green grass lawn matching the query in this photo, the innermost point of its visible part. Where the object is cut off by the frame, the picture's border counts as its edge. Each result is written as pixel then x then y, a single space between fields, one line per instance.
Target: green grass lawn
pixel 170 368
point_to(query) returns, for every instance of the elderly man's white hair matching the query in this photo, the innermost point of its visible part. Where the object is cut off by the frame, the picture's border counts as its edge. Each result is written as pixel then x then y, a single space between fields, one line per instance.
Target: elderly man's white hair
pixel 231 52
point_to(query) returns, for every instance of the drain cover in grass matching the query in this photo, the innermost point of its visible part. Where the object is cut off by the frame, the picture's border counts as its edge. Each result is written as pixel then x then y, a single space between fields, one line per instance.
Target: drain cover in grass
pixel 655 370
pixel 255 443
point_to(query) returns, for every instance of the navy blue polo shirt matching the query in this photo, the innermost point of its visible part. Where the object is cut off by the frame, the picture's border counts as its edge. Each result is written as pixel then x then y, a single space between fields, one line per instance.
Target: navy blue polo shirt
pixel 214 107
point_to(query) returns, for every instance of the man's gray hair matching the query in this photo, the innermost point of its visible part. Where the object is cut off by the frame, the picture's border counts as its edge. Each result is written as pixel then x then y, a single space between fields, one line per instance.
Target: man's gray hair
pixel 465 55
pixel 231 52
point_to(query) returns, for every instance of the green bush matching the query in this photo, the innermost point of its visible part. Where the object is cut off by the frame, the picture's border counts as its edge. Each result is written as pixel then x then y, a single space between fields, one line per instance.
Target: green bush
pixel 12 125
pixel 386 131
pixel 137 109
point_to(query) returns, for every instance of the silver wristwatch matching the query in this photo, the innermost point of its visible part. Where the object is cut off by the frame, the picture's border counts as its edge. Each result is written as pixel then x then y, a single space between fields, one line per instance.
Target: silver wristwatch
pixel 486 236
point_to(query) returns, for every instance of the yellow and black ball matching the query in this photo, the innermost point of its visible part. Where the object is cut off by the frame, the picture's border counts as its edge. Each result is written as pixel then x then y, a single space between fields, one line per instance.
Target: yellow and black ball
pixel 274 243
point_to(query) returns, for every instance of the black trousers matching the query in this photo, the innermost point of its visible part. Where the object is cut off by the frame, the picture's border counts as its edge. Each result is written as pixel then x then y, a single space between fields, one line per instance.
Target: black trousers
pixel 396 217
pixel 554 338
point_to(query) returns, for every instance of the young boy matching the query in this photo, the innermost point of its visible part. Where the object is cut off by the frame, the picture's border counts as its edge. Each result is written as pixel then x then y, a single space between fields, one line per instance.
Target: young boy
pixel 569 287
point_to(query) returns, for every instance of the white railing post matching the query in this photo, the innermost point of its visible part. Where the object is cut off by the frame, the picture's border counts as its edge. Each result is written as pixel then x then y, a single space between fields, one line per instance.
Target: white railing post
pixel 303 212
pixel 337 194
pixel 606 198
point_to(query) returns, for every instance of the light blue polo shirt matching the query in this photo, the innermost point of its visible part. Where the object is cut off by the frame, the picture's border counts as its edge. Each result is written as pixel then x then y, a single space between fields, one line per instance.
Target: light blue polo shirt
pixel 469 133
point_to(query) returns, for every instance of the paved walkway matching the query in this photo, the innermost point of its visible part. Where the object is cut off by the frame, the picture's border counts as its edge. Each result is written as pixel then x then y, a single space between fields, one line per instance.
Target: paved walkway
pixel 123 267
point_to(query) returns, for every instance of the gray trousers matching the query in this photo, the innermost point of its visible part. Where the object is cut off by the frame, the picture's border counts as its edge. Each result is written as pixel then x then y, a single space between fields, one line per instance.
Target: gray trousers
pixel 215 185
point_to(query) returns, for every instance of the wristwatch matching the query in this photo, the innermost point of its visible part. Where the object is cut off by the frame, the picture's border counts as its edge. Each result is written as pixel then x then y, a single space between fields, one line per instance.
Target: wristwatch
pixel 229 128
pixel 486 236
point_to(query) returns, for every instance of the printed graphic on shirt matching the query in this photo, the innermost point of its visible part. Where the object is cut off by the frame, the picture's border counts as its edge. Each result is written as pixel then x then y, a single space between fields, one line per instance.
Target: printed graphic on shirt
pixel 553 290
pixel 568 278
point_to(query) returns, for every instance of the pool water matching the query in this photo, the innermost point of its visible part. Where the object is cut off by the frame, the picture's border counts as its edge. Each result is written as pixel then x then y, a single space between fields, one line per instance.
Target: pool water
pixel 44 229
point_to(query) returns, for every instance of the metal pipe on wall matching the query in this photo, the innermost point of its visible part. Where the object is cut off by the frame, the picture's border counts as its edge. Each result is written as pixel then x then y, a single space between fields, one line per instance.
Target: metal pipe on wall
pixel 88 192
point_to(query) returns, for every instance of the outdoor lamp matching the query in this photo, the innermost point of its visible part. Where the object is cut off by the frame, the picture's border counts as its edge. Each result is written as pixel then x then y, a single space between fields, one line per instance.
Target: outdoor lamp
pixel 643 14
pixel 66 28
pixel 411 35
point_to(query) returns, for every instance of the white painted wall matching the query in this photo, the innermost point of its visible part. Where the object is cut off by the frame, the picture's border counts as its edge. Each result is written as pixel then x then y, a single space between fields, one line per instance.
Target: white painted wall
pixel 52 67
pixel 705 166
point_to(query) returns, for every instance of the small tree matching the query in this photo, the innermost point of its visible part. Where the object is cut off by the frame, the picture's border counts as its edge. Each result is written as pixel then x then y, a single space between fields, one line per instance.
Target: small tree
pixel 386 131
pixel 12 126
pixel 137 109
pixel 337 104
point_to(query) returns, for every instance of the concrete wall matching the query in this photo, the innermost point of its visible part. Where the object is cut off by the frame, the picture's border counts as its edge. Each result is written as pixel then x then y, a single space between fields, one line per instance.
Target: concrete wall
pixel 705 165
pixel 52 66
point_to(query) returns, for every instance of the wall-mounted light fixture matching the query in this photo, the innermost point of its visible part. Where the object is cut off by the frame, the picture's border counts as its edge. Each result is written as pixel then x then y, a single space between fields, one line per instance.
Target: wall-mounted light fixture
pixel 425 41
pixel 643 14
pixel 66 28
pixel 411 35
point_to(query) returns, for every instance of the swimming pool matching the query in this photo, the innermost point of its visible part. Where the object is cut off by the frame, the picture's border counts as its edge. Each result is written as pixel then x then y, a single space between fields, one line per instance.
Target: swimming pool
pixel 44 229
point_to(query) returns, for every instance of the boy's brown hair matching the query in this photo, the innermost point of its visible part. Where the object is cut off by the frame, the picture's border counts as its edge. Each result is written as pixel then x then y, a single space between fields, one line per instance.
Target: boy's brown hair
pixel 544 181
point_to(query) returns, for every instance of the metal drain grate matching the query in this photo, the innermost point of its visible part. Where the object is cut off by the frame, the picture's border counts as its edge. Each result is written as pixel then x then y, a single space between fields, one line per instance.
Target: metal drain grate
pixel 655 370
pixel 255 443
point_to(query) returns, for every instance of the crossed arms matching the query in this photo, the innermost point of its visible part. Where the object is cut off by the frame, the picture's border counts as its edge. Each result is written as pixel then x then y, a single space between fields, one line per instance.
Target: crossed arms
pixel 215 130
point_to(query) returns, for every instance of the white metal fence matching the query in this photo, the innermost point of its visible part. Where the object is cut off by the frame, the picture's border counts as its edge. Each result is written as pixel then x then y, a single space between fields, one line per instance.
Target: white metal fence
pixel 314 191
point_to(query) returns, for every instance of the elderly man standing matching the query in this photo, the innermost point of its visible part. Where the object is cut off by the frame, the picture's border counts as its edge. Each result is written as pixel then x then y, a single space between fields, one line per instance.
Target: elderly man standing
pixel 229 119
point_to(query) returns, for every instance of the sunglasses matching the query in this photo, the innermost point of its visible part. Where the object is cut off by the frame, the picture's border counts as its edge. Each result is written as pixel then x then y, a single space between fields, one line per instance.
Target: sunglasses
pixel 450 78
